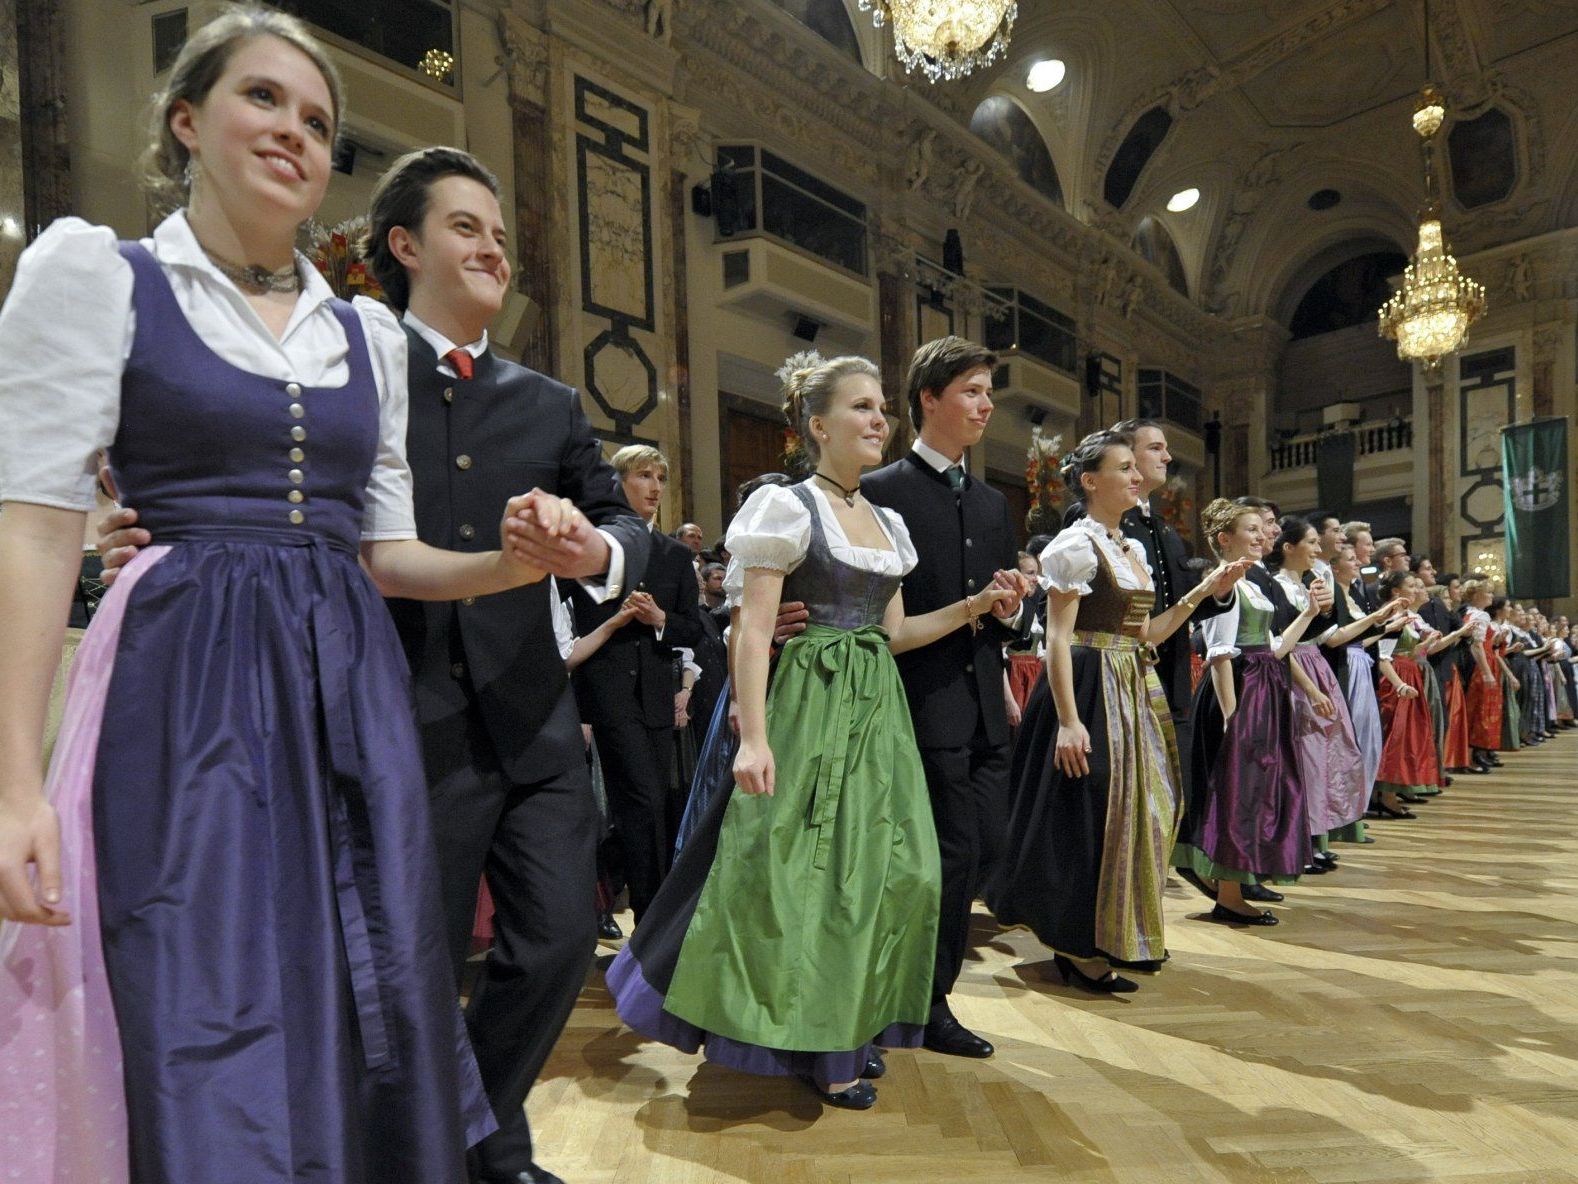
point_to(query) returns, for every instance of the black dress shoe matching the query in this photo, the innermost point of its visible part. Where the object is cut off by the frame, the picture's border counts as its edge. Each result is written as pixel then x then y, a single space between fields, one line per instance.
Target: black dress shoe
pixel 1475 770
pixel 860 1096
pixel 1260 894
pixel 608 928
pixel 875 1066
pixel 1385 811
pixel 1107 984
pixel 1223 915
pixel 1189 876
pixel 1413 799
pixel 948 1036
pixel 1314 869
pixel 1325 859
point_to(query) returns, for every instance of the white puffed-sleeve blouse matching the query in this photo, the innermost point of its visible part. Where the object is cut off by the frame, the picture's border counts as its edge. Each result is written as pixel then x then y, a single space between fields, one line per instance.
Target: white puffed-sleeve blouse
pixel 1069 561
pixel 1221 631
pixel 66 332
pixel 773 531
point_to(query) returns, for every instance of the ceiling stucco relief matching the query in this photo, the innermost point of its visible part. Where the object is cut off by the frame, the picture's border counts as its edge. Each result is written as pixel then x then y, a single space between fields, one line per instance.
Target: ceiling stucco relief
pixel 1323 88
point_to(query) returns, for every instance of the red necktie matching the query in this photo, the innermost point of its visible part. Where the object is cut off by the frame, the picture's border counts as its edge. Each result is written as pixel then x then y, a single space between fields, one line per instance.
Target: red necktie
pixel 460 362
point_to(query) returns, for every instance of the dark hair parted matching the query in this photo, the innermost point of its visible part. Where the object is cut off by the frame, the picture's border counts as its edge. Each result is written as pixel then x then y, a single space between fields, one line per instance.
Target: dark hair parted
pixel 1250 502
pixel 749 487
pixel 199 65
pixel 1290 532
pixel 1127 429
pixel 400 199
pixel 1390 581
pixel 936 364
pixel 1086 457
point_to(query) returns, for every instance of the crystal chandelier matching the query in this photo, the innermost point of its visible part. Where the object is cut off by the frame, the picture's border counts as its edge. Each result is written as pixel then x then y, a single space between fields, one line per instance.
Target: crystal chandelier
pixel 946 39
pixel 1430 314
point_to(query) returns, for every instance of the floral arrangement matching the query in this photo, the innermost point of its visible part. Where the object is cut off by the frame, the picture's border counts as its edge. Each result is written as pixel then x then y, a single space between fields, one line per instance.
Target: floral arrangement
pixel 336 252
pixel 1175 502
pixel 1043 482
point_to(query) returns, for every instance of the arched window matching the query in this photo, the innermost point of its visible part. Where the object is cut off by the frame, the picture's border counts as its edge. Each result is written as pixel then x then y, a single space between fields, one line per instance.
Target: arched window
pixel 1144 138
pixel 1349 294
pixel 1157 248
pixel 829 20
pixel 1003 124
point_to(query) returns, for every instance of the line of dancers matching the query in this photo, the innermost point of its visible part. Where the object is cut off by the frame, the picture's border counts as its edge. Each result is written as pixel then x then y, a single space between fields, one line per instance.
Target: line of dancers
pixel 325 695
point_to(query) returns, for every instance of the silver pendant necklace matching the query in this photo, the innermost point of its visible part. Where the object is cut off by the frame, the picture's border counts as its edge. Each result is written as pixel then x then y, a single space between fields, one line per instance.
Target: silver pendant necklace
pixel 254 277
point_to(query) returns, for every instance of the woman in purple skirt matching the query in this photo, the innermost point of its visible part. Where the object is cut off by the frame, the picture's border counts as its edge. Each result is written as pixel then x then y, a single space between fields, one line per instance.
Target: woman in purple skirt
pixel 1247 819
pixel 232 966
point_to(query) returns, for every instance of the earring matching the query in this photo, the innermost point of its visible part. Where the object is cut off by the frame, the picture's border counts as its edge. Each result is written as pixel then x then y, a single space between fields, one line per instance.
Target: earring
pixel 189 173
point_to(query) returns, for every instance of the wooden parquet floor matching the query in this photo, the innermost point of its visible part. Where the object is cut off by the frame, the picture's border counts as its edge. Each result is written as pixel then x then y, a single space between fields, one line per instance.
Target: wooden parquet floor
pixel 1414 1017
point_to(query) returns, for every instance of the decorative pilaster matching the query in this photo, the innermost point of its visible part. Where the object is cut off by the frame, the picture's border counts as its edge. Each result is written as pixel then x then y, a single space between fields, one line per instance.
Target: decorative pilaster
pixel 1435 400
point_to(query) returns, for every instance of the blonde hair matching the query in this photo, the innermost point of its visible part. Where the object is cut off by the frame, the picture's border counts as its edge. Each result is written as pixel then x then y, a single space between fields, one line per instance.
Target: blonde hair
pixel 1352 530
pixel 166 161
pixel 809 380
pixel 637 456
pixel 1219 517
pixel 1472 588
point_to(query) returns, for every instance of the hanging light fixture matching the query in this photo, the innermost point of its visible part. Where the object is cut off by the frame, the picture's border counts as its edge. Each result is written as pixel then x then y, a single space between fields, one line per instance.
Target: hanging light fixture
pixel 1430 315
pixel 946 39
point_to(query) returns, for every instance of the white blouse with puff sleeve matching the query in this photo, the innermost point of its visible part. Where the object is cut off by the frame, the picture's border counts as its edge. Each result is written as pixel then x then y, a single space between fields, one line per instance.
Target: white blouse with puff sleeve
pixel 67 329
pixel 1221 631
pixel 773 531
pixel 1069 561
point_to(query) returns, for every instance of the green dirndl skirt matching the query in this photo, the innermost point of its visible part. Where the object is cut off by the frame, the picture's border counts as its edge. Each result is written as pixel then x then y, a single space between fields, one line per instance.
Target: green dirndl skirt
pixel 816 928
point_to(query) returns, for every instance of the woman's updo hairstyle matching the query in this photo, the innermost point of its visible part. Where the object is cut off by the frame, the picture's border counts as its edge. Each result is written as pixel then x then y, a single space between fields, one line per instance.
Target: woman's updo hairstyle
pixel 1390 581
pixel 1291 531
pixel 809 381
pixel 1220 516
pixel 1086 457
pixel 166 162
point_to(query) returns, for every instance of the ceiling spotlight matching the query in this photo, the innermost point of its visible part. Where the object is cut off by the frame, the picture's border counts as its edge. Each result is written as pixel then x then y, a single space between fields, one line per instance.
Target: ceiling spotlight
pixel 1184 199
pixel 1045 76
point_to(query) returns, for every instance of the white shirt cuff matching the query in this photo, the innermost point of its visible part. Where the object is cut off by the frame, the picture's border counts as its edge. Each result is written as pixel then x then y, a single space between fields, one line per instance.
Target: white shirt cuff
pixel 613 581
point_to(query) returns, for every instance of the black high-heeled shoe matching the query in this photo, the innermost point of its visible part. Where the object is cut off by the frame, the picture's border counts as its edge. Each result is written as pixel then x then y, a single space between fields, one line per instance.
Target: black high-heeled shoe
pixel 860 1096
pixel 1107 984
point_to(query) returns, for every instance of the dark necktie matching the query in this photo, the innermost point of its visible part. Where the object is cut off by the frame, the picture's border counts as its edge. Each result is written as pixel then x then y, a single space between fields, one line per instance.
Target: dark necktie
pixel 955 475
pixel 460 362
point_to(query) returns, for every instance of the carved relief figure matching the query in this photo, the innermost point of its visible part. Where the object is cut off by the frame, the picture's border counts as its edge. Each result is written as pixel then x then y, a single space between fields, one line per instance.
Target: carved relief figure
pixel 964 191
pixel 1520 278
pixel 920 159
pixel 660 20
pixel 1132 291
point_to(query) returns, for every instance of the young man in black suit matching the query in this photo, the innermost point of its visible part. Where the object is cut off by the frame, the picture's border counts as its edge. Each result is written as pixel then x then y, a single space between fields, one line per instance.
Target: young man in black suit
pixel 501 739
pixel 627 689
pixel 966 541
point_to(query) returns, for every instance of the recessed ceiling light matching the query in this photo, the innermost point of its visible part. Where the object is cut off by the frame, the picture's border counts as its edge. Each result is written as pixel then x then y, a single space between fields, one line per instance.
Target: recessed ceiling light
pixel 1184 199
pixel 1045 76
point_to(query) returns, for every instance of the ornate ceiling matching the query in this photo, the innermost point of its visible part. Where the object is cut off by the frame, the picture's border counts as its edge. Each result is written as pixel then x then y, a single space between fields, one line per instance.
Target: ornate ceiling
pixel 1274 100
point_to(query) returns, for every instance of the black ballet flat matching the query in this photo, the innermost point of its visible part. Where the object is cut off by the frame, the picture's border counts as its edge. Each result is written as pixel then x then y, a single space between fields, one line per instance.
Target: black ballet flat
pixel 1191 877
pixel 1384 811
pixel 1314 869
pixel 875 1066
pixel 1327 857
pixel 1260 894
pixel 860 1096
pixel 1413 799
pixel 1473 770
pixel 1223 915
pixel 1107 984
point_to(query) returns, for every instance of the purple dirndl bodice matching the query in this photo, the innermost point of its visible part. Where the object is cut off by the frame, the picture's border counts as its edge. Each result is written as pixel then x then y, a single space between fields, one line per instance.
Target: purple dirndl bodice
pixel 266 877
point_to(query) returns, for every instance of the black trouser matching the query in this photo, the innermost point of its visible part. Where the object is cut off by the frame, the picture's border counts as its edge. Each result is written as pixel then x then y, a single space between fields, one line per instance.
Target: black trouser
pixel 637 769
pixel 969 803
pixel 536 845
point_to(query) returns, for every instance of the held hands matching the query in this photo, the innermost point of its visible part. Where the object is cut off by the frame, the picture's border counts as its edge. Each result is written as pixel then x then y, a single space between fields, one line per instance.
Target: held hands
pixel 1073 749
pixel 550 534
pixel 646 609
pixel 30 835
pixel 1321 595
pixel 753 768
pixel 1222 578
pixel 990 599
pixel 544 512
pixel 1018 585
pixel 1404 691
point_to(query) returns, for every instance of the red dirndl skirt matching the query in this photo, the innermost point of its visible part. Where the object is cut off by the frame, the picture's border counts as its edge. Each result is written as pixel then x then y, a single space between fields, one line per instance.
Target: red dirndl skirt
pixel 1408 756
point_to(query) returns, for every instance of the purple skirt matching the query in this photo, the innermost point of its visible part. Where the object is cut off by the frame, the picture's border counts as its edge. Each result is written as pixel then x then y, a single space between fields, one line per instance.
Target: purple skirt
pixel 1251 815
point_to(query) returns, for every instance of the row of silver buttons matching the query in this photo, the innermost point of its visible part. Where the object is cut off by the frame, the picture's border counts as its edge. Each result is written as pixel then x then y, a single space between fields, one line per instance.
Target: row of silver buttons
pixel 298 433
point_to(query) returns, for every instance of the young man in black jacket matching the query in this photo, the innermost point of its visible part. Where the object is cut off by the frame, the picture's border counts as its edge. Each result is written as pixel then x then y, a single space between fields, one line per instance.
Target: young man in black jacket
pixel 966 541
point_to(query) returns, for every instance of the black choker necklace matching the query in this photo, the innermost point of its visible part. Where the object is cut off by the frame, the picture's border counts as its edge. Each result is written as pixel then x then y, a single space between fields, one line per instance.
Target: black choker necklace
pixel 848 494
pixel 254 277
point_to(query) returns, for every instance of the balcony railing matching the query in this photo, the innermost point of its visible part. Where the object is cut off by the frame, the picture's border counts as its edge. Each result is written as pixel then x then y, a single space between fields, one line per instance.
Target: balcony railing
pixel 1169 398
pixel 1392 436
pixel 765 194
